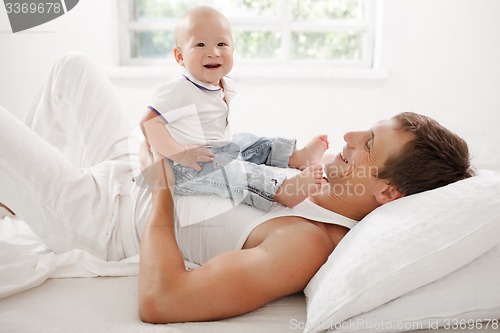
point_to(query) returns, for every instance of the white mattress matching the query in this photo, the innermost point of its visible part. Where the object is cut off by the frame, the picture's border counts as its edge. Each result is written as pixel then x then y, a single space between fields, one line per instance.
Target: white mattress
pixel 109 304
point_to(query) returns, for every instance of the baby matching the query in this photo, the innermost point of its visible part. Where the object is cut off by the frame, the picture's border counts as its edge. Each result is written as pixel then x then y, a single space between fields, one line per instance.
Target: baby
pixel 187 122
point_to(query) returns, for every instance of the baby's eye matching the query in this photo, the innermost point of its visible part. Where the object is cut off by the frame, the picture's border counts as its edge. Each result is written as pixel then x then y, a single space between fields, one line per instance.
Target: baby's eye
pixel 222 44
pixel 200 44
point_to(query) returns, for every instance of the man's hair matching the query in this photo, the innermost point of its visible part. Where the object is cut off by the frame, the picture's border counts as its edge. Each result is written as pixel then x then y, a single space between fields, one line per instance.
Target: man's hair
pixel 435 157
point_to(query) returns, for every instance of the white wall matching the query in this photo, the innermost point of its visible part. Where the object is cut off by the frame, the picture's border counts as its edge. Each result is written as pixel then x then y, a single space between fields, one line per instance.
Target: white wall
pixel 26 57
pixel 442 56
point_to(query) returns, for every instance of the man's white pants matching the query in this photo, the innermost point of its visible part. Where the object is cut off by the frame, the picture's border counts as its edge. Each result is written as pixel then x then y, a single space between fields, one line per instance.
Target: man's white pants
pixel 67 172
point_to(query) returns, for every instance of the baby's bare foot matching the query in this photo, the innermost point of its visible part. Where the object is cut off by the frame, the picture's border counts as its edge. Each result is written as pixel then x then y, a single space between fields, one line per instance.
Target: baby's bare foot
pixel 296 189
pixel 311 153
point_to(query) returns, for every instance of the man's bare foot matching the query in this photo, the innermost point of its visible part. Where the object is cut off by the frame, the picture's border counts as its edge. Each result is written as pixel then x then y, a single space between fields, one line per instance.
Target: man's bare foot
pixel 310 154
pixel 296 189
pixel 5 211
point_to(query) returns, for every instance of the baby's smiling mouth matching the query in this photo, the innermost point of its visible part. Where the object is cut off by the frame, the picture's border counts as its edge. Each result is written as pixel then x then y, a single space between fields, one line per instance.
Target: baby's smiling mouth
pixel 212 66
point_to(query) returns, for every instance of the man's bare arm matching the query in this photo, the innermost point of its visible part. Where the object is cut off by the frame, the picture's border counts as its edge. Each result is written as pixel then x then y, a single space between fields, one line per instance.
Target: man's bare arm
pixel 233 283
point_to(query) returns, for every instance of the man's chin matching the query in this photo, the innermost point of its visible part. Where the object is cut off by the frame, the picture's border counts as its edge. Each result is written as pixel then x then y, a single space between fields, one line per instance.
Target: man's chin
pixel 334 171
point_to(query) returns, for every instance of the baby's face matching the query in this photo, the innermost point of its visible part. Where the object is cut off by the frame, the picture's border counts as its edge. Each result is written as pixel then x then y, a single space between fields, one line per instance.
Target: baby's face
pixel 206 48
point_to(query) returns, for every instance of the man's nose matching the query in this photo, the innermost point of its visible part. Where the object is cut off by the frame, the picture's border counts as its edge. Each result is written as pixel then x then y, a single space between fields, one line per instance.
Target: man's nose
pixel 356 139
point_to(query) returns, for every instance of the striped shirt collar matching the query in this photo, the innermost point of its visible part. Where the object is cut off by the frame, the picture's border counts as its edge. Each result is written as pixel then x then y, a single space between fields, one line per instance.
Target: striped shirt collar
pixel 200 84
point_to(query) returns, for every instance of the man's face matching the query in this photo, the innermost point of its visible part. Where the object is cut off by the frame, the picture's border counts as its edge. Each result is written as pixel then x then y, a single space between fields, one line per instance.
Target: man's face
pixel 354 172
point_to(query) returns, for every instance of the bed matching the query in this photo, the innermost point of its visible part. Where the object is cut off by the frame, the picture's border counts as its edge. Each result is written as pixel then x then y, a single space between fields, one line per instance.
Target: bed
pixel 429 261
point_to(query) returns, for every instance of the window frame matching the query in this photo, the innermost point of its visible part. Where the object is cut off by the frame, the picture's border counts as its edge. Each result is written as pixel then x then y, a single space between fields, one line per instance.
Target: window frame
pixel 259 67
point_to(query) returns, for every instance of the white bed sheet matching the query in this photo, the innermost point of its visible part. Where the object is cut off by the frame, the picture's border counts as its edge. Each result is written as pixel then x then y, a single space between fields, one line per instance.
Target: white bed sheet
pixel 109 304
pixel 26 262
pixel 41 292
pixel 76 292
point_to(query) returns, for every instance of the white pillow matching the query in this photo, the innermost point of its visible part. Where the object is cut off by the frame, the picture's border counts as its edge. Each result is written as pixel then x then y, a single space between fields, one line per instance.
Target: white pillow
pixel 403 246
pixel 468 298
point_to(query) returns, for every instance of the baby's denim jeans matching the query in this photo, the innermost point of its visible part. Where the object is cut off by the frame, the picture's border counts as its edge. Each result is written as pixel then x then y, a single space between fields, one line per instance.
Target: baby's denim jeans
pixel 241 170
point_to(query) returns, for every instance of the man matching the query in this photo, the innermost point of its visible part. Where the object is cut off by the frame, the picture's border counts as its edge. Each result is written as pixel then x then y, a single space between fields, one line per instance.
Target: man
pixel 73 162
pixel 406 154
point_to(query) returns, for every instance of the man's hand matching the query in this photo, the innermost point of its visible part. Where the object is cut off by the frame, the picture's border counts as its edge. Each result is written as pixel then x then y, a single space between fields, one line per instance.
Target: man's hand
pixel 157 174
pixel 192 155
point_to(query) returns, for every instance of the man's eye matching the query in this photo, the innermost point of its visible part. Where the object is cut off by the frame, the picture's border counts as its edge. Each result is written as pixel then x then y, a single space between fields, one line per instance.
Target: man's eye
pixel 367 145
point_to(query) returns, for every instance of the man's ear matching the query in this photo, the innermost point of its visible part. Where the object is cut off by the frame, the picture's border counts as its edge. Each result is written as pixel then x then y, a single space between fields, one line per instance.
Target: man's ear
pixel 387 193
pixel 178 55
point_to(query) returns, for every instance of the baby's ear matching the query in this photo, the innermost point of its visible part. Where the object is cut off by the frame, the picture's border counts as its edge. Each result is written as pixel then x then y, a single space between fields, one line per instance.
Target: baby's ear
pixel 178 56
pixel 387 193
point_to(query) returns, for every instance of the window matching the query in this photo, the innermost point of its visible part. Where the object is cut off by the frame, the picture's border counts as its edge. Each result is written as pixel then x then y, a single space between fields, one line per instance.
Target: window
pixel 277 32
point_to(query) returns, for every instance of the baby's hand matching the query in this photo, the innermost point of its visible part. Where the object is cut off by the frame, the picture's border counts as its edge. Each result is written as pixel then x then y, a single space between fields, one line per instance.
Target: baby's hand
pixel 194 154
